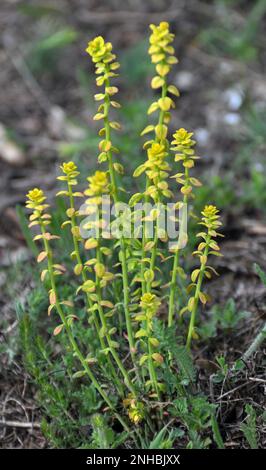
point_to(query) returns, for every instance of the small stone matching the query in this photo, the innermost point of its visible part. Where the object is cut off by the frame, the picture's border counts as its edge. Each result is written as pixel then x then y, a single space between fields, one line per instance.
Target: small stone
pixel 202 136
pixel 233 98
pixel 232 119
pixel 184 80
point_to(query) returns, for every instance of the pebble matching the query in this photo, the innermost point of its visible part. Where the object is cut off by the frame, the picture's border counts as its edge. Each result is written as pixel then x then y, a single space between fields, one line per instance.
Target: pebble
pixel 233 97
pixel 232 119
pixel 184 80
pixel 202 135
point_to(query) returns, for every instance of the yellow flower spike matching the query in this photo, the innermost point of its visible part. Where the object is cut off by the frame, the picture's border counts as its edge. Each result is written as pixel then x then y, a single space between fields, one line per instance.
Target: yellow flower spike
pixel 100 51
pixel 70 173
pixel 106 65
pixel 183 138
pixel 136 409
pixel 70 169
pixel 210 219
pixel 156 167
pixel 160 49
pixel 155 163
pixel 35 202
pixel 156 153
pixel 162 55
pixel 98 184
pixel 149 302
pixel 157 170
pixel 183 144
pixel 136 413
pixel 35 197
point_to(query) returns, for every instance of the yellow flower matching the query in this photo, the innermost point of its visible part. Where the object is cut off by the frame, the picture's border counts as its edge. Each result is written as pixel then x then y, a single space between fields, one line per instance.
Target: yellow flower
pixel 210 217
pixel 160 39
pixel 136 409
pixel 161 50
pixel 100 51
pixel 157 161
pixel 157 169
pixel 102 55
pixel 136 413
pixel 182 143
pixel 98 184
pixel 156 153
pixel 182 138
pixel 150 302
pixel 70 169
pixel 35 197
pixel 210 212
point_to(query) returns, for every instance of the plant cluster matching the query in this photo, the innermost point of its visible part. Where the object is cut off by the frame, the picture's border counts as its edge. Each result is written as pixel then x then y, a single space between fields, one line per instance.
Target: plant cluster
pixel 141 371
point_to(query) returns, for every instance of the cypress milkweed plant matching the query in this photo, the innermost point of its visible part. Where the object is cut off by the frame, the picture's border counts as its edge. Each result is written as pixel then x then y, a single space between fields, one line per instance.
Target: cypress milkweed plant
pixel 139 304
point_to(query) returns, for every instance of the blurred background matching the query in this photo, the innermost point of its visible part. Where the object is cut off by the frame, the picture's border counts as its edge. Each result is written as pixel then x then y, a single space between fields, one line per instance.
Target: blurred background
pixel 46 109
pixel 47 86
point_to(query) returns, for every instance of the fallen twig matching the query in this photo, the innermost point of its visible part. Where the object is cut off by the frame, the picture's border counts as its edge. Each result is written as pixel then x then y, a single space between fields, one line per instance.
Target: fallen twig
pixel 232 391
pixel 255 379
pixel 18 424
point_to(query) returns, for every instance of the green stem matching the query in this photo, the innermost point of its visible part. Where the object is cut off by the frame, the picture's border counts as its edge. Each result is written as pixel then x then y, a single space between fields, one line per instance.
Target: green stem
pixel 153 375
pixel 71 338
pixel 173 289
pixel 171 310
pixel 155 240
pixel 143 283
pixel 79 260
pixel 162 113
pixel 196 296
pixel 153 254
pixel 148 287
pixel 107 335
pixel 122 242
pixel 89 301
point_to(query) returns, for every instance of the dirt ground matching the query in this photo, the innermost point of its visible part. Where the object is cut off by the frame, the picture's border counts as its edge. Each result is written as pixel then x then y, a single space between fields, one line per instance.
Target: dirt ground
pixel 41 108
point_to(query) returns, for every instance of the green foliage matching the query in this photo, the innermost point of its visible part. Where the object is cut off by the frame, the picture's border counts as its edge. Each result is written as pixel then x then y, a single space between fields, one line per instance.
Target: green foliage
pixel 134 65
pixel 254 139
pixel 249 427
pixel 228 37
pixel 68 405
pixel 37 11
pixel 225 317
pixel 171 346
pixel 223 370
pixel 196 413
pixel 260 273
pixel 103 437
pixel 165 439
pixel 219 190
pixel 53 37
pixel 216 432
